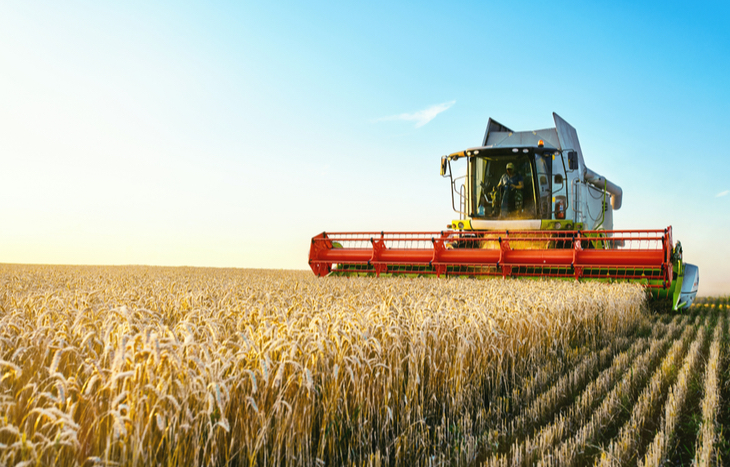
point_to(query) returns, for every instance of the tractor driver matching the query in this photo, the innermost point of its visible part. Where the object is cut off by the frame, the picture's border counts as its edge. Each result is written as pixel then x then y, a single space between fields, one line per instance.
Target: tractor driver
pixel 509 183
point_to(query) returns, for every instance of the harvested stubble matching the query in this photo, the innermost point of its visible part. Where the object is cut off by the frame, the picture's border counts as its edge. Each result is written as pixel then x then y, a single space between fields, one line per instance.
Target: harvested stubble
pixel 658 449
pixel 707 436
pixel 526 450
pixel 647 406
pixel 573 451
pixel 143 366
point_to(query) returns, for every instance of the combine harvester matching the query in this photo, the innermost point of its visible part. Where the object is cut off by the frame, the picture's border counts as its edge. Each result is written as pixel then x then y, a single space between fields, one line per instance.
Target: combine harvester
pixel 529 207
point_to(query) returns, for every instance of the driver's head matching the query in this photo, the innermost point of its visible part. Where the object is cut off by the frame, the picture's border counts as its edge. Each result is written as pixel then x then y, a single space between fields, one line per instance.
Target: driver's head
pixel 510 167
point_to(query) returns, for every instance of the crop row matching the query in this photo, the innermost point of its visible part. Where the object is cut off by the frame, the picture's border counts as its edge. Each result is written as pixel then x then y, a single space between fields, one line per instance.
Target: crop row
pixel 641 409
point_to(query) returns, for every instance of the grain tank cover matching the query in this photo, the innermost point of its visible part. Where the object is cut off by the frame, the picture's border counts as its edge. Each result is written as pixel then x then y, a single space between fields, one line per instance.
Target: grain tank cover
pixel 568 139
pixel 499 136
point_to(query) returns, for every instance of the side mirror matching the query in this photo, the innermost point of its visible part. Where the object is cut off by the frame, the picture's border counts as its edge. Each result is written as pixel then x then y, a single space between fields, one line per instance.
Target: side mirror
pixel 558 179
pixel 444 163
pixel 572 160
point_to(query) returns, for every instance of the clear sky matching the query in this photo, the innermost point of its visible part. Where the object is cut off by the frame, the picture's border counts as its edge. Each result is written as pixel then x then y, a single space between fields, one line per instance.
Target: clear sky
pixel 230 133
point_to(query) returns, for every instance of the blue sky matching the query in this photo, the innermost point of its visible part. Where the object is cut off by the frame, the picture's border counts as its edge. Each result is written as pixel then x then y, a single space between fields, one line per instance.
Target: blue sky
pixel 228 134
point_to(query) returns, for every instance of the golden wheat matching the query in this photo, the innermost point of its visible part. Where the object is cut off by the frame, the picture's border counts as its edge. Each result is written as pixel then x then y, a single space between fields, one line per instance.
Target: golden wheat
pixel 141 366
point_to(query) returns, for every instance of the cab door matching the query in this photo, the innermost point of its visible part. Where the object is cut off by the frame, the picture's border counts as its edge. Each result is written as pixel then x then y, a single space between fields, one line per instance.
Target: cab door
pixel 543 173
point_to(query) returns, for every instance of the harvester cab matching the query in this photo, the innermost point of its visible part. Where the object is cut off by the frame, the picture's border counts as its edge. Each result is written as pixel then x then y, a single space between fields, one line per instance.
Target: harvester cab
pixel 528 207
pixel 558 191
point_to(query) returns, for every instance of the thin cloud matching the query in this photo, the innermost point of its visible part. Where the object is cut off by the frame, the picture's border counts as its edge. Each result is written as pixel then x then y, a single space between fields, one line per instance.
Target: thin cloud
pixel 722 193
pixel 421 117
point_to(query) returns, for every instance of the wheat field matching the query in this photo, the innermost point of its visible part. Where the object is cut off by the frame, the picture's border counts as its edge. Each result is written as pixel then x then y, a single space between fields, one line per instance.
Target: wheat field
pixel 191 366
